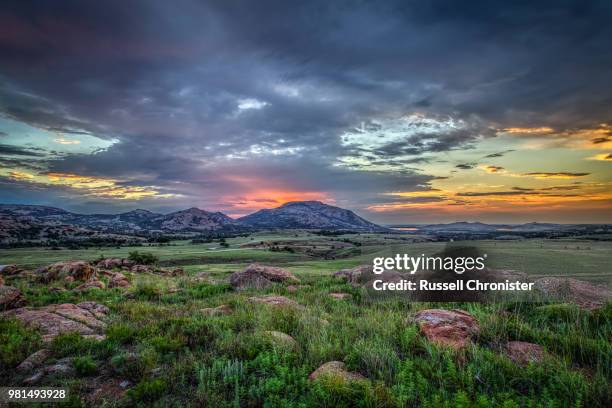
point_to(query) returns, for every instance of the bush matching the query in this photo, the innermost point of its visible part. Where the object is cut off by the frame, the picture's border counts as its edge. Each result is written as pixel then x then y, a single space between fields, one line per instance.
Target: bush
pixel 85 366
pixel 16 342
pixel 143 258
pixel 148 390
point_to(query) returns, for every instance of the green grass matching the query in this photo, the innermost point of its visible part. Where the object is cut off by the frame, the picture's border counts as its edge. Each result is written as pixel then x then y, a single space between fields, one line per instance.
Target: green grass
pixel 174 355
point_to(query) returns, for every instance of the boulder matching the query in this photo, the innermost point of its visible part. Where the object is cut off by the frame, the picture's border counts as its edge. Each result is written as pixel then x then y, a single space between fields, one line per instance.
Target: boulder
pixel 114 263
pixel 177 272
pixel 335 369
pixel 106 391
pixel 118 280
pixel 275 300
pixel 353 275
pixel 258 276
pixel 56 289
pixel 523 353
pixel 141 269
pixel 217 311
pixel 450 328
pixel 9 270
pixel 34 361
pixel 295 288
pixel 91 284
pixel 585 294
pixel 340 296
pixel 84 318
pixel 10 298
pixel 77 270
pixel 61 368
pixel 281 341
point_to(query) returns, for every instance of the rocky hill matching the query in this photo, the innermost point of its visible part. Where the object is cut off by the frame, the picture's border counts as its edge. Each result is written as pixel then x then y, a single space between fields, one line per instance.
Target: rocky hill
pixel 192 219
pixel 308 215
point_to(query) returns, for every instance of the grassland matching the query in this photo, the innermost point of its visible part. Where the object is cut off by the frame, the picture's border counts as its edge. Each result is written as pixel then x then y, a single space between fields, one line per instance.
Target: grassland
pixel 173 355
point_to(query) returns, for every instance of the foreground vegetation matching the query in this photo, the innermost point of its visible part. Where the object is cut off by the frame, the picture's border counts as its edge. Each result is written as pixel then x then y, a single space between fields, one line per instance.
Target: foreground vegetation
pixel 173 354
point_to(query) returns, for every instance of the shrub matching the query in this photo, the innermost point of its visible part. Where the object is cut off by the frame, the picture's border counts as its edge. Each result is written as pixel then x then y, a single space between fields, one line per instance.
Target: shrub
pixel 85 365
pixel 143 258
pixel 16 342
pixel 148 390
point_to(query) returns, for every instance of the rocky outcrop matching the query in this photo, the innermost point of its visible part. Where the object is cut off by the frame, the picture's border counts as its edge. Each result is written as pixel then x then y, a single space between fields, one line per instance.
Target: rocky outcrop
pixel 281 341
pixel 523 353
pixel 295 288
pixel 256 276
pixel 77 270
pixel 335 369
pixel 34 361
pixel 9 270
pixel 584 294
pixel 114 263
pixel 61 368
pixel 353 275
pixel 276 301
pixel 84 318
pixel 118 280
pixel 141 269
pixel 217 311
pixel 176 272
pixel 450 328
pixel 340 296
pixel 10 298
pixel 91 284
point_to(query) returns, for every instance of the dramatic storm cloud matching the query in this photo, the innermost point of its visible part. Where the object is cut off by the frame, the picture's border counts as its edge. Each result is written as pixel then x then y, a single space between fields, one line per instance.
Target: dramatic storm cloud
pixel 393 109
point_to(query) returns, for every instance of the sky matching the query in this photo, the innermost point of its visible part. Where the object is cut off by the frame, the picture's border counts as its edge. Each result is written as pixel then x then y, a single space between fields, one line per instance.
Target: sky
pixel 403 111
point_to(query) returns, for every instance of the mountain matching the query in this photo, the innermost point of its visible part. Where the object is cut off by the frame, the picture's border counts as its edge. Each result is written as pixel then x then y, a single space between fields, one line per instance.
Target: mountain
pixel 192 219
pixel 308 215
pixel 31 210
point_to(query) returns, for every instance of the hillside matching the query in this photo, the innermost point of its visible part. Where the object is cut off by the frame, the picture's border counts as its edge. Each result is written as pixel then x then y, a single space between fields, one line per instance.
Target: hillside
pixel 308 215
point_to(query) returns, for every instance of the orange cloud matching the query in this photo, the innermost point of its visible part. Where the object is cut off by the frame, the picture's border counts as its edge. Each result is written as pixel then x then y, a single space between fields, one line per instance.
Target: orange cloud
pixel 493 169
pixel 529 130
pixel 601 156
pixel 90 185
pixel 18 175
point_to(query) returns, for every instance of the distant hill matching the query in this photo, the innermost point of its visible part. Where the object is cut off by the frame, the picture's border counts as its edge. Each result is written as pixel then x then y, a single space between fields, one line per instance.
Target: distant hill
pixel 192 219
pixel 308 215
pixel 33 222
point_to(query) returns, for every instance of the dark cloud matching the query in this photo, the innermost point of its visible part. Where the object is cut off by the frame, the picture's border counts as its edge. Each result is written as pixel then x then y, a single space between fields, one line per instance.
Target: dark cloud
pixel 560 174
pixel 12 150
pixel 498 154
pixel 466 166
pixel 167 80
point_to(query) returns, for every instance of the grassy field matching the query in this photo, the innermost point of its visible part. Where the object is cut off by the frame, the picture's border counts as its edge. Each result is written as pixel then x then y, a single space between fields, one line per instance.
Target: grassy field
pixel 538 257
pixel 173 355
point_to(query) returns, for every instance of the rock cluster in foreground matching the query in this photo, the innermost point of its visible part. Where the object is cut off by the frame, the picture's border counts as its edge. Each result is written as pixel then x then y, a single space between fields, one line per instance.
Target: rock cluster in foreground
pixel 84 318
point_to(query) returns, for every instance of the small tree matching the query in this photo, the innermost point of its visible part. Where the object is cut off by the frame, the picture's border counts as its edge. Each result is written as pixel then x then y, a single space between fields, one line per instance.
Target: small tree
pixel 142 258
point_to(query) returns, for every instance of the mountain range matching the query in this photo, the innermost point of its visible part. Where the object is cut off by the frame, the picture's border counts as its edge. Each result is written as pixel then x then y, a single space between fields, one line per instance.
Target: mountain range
pixel 17 220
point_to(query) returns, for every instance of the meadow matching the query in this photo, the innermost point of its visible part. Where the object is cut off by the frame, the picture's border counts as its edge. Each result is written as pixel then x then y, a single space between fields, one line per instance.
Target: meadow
pixel 172 354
